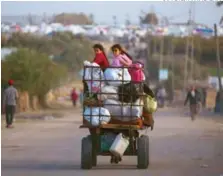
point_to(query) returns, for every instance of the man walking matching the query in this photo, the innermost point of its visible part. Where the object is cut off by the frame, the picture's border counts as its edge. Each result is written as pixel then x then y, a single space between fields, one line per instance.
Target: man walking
pixel 9 103
pixel 194 98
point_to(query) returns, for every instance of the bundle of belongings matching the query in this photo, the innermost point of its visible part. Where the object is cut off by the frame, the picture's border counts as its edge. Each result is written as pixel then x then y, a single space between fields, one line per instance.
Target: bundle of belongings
pixel 117 96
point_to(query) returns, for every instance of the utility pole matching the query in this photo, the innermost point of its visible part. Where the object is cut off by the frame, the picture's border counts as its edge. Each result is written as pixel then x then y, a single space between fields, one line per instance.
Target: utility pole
pixel 114 20
pixel 192 42
pixel 127 21
pixel 171 54
pixel 172 64
pixel 161 51
pixel 187 52
pixel 186 63
pixel 219 68
pixel 192 58
pixel 218 57
pixel 154 41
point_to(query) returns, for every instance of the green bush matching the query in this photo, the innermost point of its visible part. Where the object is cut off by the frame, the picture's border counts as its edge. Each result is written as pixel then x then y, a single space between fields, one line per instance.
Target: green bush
pixel 32 71
pixel 66 48
pixel 204 49
pixel 214 71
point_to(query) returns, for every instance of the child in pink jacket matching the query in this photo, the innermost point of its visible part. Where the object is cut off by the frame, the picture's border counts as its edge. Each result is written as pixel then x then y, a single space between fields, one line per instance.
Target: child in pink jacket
pixel 121 58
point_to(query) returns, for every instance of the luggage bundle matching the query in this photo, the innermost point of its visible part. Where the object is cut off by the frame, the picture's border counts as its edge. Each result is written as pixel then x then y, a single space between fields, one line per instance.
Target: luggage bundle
pixel 117 95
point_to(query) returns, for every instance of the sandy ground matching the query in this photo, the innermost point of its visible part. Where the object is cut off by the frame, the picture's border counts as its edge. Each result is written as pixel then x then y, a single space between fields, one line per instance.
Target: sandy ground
pixel 178 147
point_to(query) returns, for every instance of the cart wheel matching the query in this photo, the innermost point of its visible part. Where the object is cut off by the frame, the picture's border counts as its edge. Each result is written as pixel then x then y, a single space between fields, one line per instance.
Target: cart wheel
pixel 143 152
pixel 94 160
pixel 86 153
pixel 94 151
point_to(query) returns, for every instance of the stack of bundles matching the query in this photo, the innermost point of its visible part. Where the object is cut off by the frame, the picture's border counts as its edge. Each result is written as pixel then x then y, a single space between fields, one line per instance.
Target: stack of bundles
pixel 121 97
pixel 122 101
pixel 93 79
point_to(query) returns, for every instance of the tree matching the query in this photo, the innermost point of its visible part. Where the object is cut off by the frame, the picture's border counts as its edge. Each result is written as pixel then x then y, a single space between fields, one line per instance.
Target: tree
pixel 219 3
pixel 32 71
pixel 72 18
pixel 59 45
pixel 74 55
pixel 149 18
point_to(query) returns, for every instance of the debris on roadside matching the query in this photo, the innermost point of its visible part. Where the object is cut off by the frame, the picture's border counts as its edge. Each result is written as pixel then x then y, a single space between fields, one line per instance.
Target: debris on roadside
pixel 204 166
pixel 48 118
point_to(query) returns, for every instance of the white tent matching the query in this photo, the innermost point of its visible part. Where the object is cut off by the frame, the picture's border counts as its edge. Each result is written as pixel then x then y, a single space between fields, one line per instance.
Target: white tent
pixel 93 32
pixel 141 32
pixel 45 29
pixel 75 29
pixel 116 32
pixel 5 28
pixel 30 29
pixel 7 51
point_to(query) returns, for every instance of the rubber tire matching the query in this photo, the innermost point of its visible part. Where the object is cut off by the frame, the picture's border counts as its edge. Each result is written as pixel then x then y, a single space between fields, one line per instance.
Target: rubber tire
pixel 86 153
pixel 143 152
pixel 94 157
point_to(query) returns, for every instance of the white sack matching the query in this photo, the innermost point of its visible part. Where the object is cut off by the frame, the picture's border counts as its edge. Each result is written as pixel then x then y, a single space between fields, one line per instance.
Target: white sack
pixel 115 76
pixel 108 92
pixel 98 116
pixel 124 112
pixel 92 74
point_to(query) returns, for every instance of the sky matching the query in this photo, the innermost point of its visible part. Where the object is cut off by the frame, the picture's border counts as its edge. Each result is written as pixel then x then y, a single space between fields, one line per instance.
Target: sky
pixel 103 11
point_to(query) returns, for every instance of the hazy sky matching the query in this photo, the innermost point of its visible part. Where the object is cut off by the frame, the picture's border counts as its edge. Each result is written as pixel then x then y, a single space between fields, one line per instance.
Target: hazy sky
pixel 205 12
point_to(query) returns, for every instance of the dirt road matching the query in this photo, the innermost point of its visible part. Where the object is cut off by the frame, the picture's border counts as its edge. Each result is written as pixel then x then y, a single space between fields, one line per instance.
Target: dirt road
pixel 179 147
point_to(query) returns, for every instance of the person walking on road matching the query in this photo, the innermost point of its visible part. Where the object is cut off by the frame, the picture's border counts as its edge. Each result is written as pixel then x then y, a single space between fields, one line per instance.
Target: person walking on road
pixel 161 96
pixel 74 97
pixel 9 103
pixel 193 96
pixel 81 97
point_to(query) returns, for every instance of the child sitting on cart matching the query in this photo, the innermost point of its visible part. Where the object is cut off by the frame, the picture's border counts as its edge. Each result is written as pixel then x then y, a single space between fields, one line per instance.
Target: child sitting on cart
pixel 100 57
pixel 120 57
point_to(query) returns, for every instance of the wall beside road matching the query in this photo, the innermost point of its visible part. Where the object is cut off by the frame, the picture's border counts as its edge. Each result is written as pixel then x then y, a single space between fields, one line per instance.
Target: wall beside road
pixel 61 95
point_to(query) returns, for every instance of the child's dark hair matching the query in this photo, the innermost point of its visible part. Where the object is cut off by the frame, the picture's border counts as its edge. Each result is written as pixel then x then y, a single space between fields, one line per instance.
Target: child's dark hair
pixel 121 49
pixel 99 46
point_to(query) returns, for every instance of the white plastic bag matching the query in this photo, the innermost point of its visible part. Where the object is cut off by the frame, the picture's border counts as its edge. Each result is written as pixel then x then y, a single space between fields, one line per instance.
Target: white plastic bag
pixel 124 112
pixel 119 145
pixel 92 74
pixel 97 115
pixel 108 92
pixel 115 76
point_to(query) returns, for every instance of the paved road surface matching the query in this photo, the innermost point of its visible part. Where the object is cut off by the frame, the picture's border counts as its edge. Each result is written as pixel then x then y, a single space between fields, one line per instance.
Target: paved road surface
pixel 179 147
